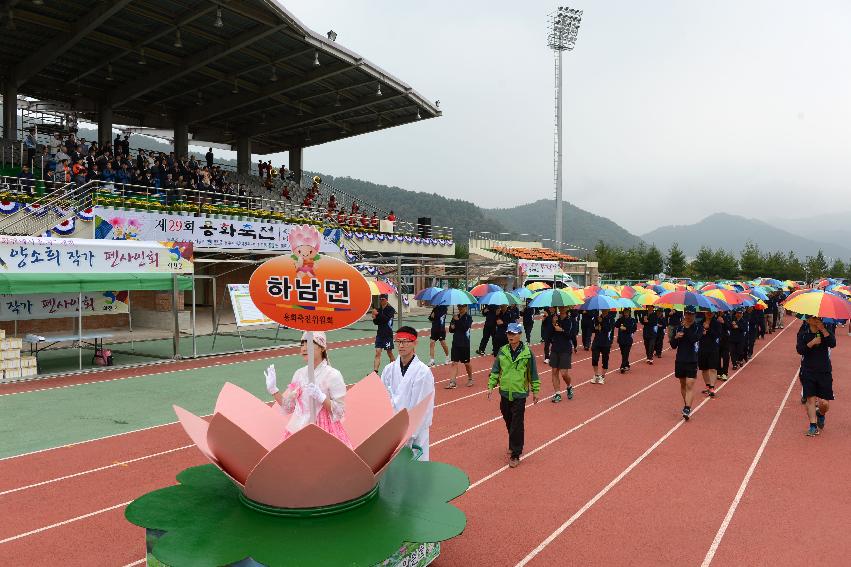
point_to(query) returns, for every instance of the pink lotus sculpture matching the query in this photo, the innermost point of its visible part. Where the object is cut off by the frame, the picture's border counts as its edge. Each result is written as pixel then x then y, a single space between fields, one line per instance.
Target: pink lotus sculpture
pixel 245 439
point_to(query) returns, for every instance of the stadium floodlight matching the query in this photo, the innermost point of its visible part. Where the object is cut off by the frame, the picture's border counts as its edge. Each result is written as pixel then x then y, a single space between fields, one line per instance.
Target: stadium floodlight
pixel 562 30
pixel 235 89
pixel 109 72
pixel 307 138
pixel 316 62
pixel 218 23
pixel 418 114
pixel 178 43
pixel 378 92
pixel 200 100
pixel 337 102
pixel 274 76
pixel 141 60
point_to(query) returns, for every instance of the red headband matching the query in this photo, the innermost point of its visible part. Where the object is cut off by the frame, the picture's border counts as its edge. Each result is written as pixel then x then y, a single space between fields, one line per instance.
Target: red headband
pixel 404 335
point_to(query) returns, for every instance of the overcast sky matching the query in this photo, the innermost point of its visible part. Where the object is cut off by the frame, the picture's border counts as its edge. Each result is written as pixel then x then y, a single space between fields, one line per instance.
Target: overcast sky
pixel 673 109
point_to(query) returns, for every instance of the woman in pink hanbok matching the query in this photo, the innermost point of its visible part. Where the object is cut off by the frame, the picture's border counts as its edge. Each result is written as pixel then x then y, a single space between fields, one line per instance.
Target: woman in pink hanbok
pixel 326 394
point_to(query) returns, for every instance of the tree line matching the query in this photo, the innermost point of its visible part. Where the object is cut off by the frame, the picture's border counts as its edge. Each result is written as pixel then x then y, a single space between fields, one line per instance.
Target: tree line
pixel 642 261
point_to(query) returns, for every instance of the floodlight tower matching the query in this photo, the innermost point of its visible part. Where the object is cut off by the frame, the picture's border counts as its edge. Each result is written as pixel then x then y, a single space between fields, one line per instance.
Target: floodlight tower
pixel 562 29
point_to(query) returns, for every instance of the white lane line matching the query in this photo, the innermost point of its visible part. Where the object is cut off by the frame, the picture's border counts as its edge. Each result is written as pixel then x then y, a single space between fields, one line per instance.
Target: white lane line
pixel 139 562
pixel 90 471
pixel 63 522
pixel 732 510
pixel 605 490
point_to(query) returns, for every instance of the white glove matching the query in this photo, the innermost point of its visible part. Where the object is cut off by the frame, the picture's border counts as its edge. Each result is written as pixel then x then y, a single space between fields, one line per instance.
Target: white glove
pixel 271 380
pixel 313 391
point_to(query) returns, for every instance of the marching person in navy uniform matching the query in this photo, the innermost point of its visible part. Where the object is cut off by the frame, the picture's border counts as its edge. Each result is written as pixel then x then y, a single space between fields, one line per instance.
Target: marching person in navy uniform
pixel 648 333
pixel 626 326
pixel 816 374
pixel 604 334
pixel 686 341
pixel 709 353
pixel 382 318
pixel 438 332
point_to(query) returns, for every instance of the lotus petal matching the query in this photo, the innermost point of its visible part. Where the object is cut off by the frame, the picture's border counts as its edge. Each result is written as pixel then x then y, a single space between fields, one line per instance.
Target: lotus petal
pixel 377 449
pixel 311 468
pixel 263 423
pixel 417 414
pixel 237 452
pixel 196 428
pixel 368 407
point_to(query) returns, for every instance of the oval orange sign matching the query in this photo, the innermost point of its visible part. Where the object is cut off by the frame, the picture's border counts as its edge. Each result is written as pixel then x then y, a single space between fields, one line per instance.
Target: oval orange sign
pixel 316 293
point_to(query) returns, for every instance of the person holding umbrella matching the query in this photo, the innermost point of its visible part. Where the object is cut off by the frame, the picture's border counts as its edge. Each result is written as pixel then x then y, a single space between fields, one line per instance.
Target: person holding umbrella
pixel 661 324
pixel 515 373
pixel 489 311
pixel 723 346
pixel 547 331
pixel 561 353
pixel 528 315
pixel 738 335
pixel 601 345
pixel 500 338
pixel 460 326
pixel 648 333
pixel 709 356
pixel 587 327
pixel 816 373
pixel 438 332
pixel 686 341
pixel 626 326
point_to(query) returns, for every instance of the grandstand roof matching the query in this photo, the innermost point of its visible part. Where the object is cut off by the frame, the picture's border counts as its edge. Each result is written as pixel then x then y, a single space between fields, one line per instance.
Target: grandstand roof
pixel 84 53
pixel 544 254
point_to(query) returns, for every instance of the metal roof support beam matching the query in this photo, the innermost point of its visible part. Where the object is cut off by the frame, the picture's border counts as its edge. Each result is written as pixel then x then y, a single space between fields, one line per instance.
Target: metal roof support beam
pixel 235 102
pixel 190 63
pixel 36 62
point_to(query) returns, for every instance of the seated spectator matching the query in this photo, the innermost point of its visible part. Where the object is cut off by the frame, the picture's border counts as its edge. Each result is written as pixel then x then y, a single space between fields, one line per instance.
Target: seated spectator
pixel 26 180
pixel 123 175
pixel 355 207
pixel 364 220
pixel 391 217
pixel 79 171
pixel 62 174
pixel 286 193
pixel 341 218
pixel 332 203
pixel 373 222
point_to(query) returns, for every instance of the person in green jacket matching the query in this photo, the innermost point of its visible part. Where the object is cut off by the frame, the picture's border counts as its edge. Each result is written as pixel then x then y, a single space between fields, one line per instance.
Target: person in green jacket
pixel 515 372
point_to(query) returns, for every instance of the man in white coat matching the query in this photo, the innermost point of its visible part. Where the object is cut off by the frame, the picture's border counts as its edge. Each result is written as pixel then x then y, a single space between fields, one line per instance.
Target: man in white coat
pixel 410 381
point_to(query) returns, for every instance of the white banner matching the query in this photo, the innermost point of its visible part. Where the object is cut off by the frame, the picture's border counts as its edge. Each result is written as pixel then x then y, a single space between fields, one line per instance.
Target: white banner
pixel 539 269
pixel 54 306
pixel 34 255
pixel 245 312
pixel 202 231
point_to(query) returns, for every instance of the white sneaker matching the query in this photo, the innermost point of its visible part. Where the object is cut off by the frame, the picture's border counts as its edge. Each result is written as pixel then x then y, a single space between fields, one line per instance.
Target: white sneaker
pixel 431 362
pixel 594 379
pixel 601 379
pixel 546 361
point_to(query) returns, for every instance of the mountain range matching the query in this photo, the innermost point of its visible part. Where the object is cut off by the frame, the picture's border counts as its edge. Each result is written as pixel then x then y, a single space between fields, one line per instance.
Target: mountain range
pixel 730 232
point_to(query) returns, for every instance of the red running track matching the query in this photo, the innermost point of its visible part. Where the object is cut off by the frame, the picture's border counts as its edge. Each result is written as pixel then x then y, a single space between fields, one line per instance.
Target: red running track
pixel 609 478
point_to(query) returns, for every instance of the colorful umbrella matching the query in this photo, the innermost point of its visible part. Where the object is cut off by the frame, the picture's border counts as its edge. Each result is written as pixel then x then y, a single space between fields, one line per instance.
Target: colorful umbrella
pixel 427 293
pixel 645 299
pixel 679 300
pixel 771 281
pixel 499 298
pixel 555 298
pixel 591 290
pixel 536 286
pixel 599 303
pixel 484 289
pixel 625 303
pixel 377 287
pixel 819 304
pixel 454 297
pixel 521 292
pixel 758 293
pixel 720 304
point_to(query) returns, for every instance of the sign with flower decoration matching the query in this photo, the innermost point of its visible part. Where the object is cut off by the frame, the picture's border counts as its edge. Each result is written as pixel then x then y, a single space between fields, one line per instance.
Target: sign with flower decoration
pixel 307 290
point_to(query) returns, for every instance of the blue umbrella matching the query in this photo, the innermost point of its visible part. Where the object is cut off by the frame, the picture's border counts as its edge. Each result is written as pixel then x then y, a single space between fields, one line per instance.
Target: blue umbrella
pixel 428 293
pixel 720 304
pixel 758 293
pixel 609 292
pixel 453 297
pixel 522 293
pixel 599 302
pixel 499 298
pixel 625 303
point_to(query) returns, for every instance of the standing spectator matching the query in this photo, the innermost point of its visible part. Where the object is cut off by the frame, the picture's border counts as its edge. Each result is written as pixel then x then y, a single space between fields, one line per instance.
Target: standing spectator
pixel 125 146
pixel 373 222
pixel 54 144
pixel 30 144
pixel 382 318
pixel 816 373
pixel 460 327
pixel 391 217
pixel 26 180
pixel 209 157
pixel 515 373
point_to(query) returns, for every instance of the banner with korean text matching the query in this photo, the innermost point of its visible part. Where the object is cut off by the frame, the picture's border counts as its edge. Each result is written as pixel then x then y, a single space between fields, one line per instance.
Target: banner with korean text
pixel 53 306
pixel 34 255
pixel 202 231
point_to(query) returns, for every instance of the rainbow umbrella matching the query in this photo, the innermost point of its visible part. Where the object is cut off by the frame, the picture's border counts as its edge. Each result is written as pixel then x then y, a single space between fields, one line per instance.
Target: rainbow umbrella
pixel 726 295
pixel 625 303
pixel 599 303
pixel 720 304
pixel 758 293
pixel 427 293
pixel 819 304
pixel 609 292
pixel 484 289
pixel 537 286
pixel 454 297
pixel 499 298
pixel 679 300
pixel 377 287
pixel 645 299
pixel 771 281
pixel 590 290
pixel 789 284
pixel 555 298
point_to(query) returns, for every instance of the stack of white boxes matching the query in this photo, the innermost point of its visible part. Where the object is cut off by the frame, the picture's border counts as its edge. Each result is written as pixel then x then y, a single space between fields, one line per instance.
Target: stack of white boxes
pixel 13 366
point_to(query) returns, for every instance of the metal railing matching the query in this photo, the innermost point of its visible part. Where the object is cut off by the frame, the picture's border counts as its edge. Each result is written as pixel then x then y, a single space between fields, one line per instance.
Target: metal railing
pixel 61 203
